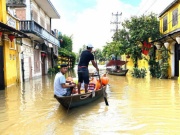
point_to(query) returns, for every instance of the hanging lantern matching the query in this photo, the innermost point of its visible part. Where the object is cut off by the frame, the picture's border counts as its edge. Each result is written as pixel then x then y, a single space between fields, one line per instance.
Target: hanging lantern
pixel 43 54
pixel 178 39
pixel 158 45
pixel 11 37
pixel 166 44
pixel 0 33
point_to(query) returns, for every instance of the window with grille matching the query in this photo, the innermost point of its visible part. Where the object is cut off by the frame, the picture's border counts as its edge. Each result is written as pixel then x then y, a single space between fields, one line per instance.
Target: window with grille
pixel 164 23
pixel 175 17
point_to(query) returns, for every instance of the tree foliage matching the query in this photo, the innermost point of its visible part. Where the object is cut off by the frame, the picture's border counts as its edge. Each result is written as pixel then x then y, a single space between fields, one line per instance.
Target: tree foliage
pixel 112 48
pixel 98 55
pixel 79 52
pixel 66 48
pixel 142 28
pixel 135 30
pixel 66 42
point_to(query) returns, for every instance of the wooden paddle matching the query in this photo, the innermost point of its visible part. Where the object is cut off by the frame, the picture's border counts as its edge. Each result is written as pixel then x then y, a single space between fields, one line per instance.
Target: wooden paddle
pixel 104 94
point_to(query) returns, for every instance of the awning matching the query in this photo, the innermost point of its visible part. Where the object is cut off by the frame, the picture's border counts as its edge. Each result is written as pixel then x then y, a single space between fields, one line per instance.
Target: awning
pixel 17 33
pixel 168 36
pixel 116 63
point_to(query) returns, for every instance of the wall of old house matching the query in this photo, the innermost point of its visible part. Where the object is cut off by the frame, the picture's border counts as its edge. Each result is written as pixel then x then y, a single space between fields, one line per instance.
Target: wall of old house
pixel 169 19
pixel 170 29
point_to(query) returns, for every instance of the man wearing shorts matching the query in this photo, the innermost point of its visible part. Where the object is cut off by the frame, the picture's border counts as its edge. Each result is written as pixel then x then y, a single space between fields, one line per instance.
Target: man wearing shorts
pixel 83 72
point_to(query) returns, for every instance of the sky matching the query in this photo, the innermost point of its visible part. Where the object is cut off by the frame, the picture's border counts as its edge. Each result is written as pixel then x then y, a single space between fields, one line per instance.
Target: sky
pixel 89 21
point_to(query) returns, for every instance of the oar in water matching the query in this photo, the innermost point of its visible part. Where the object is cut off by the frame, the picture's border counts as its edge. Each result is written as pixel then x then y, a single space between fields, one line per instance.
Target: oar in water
pixel 104 94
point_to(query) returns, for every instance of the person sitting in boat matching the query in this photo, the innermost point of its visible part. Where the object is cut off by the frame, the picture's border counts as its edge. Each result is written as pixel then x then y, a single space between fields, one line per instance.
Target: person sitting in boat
pixel 118 68
pixel 61 88
pixel 83 72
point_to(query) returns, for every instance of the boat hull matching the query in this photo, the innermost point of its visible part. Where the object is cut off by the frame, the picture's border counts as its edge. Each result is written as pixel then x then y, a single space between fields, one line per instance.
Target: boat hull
pixel 121 73
pixel 80 99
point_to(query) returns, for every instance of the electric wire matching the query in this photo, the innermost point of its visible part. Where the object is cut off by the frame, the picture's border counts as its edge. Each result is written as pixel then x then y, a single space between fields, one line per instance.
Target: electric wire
pixel 144 5
pixel 150 6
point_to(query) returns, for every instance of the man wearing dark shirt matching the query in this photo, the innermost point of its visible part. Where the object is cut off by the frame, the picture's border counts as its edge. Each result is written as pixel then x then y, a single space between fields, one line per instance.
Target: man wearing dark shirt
pixel 83 72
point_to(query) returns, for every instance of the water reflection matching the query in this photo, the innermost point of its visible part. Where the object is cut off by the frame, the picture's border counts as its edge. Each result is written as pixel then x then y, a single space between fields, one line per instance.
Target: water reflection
pixel 136 106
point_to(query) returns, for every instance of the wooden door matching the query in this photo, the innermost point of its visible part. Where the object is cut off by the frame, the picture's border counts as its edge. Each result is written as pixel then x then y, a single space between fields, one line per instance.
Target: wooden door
pixel 177 58
pixel 2 85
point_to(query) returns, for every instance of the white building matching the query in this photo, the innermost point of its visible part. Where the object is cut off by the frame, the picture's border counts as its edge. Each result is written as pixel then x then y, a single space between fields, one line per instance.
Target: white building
pixel 39 51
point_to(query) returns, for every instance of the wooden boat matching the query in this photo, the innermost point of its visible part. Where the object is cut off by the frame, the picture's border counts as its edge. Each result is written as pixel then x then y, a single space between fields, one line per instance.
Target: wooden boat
pixel 118 73
pixel 80 99
pixel 113 67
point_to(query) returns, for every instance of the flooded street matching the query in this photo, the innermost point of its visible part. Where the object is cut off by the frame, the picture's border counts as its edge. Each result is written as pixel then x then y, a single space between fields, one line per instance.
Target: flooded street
pixel 136 107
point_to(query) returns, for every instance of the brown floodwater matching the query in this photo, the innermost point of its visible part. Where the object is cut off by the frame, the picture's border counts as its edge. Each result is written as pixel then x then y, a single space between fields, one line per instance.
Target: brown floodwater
pixel 136 107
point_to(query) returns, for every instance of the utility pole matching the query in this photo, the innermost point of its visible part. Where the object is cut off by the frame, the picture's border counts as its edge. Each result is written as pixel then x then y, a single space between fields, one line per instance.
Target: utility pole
pixel 116 22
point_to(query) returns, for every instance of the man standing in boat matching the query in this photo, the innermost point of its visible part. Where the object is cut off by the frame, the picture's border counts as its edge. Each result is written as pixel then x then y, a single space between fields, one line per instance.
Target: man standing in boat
pixel 61 88
pixel 83 72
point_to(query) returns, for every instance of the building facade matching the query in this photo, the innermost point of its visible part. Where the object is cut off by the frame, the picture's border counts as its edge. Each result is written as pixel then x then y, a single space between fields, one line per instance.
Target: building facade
pixel 28 47
pixel 9 47
pixel 170 28
pixel 39 51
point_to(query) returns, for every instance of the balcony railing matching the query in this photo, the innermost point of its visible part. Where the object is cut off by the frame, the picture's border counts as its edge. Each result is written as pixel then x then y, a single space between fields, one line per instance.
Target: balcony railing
pixel 35 28
pixel 16 3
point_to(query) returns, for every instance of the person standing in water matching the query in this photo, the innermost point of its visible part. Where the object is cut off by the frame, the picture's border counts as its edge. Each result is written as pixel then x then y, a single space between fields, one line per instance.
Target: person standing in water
pixel 83 72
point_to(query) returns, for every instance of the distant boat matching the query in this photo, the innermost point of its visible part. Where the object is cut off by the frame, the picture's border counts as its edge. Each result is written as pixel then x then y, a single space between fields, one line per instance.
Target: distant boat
pixel 113 67
pixel 80 99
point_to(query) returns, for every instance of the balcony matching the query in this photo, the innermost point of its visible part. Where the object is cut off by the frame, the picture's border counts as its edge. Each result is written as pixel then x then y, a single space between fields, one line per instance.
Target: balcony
pixel 16 3
pixel 38 33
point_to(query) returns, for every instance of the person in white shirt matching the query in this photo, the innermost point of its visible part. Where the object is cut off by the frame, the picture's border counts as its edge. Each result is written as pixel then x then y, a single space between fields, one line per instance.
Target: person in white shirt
pixel 61 88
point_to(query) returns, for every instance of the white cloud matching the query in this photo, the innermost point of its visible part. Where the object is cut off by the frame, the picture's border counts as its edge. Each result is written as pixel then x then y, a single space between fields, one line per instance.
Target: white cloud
pixel 93 24
pixel 156 6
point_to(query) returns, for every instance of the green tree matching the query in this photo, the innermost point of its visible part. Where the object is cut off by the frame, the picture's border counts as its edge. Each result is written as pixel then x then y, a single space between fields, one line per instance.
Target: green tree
pixel 140 29
pixel 66 48
pixel 79 52
pixel 98 55
pixel 66 42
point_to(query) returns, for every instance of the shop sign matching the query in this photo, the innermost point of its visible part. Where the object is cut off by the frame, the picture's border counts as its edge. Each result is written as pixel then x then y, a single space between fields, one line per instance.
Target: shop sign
pixel 11 22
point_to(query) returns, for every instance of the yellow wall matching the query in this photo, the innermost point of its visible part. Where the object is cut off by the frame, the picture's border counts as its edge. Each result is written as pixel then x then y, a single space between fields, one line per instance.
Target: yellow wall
pixel 141 63
pixel 11 56
pixel 170 28
pixel 169 19
pixel 10 66
pixel 3 11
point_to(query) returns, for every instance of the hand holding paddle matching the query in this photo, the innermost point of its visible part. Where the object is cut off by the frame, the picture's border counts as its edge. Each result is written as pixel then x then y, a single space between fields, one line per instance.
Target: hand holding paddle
pixel 104 94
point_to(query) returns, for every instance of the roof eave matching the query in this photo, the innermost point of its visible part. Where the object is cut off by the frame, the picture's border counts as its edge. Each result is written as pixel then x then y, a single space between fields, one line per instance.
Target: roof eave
pixel 51 12
pixel 168 7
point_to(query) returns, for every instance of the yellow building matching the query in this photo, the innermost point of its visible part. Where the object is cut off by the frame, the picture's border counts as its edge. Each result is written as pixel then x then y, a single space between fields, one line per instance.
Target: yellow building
pixel 170 28
pixel 9 48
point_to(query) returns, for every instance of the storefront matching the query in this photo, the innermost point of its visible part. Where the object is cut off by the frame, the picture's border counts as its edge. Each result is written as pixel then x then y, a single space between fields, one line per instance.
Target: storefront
pixel 10 54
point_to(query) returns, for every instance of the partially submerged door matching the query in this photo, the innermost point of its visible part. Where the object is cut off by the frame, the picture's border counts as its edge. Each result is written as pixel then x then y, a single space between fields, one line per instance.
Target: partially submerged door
pixel 177 58
pixel 2 86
